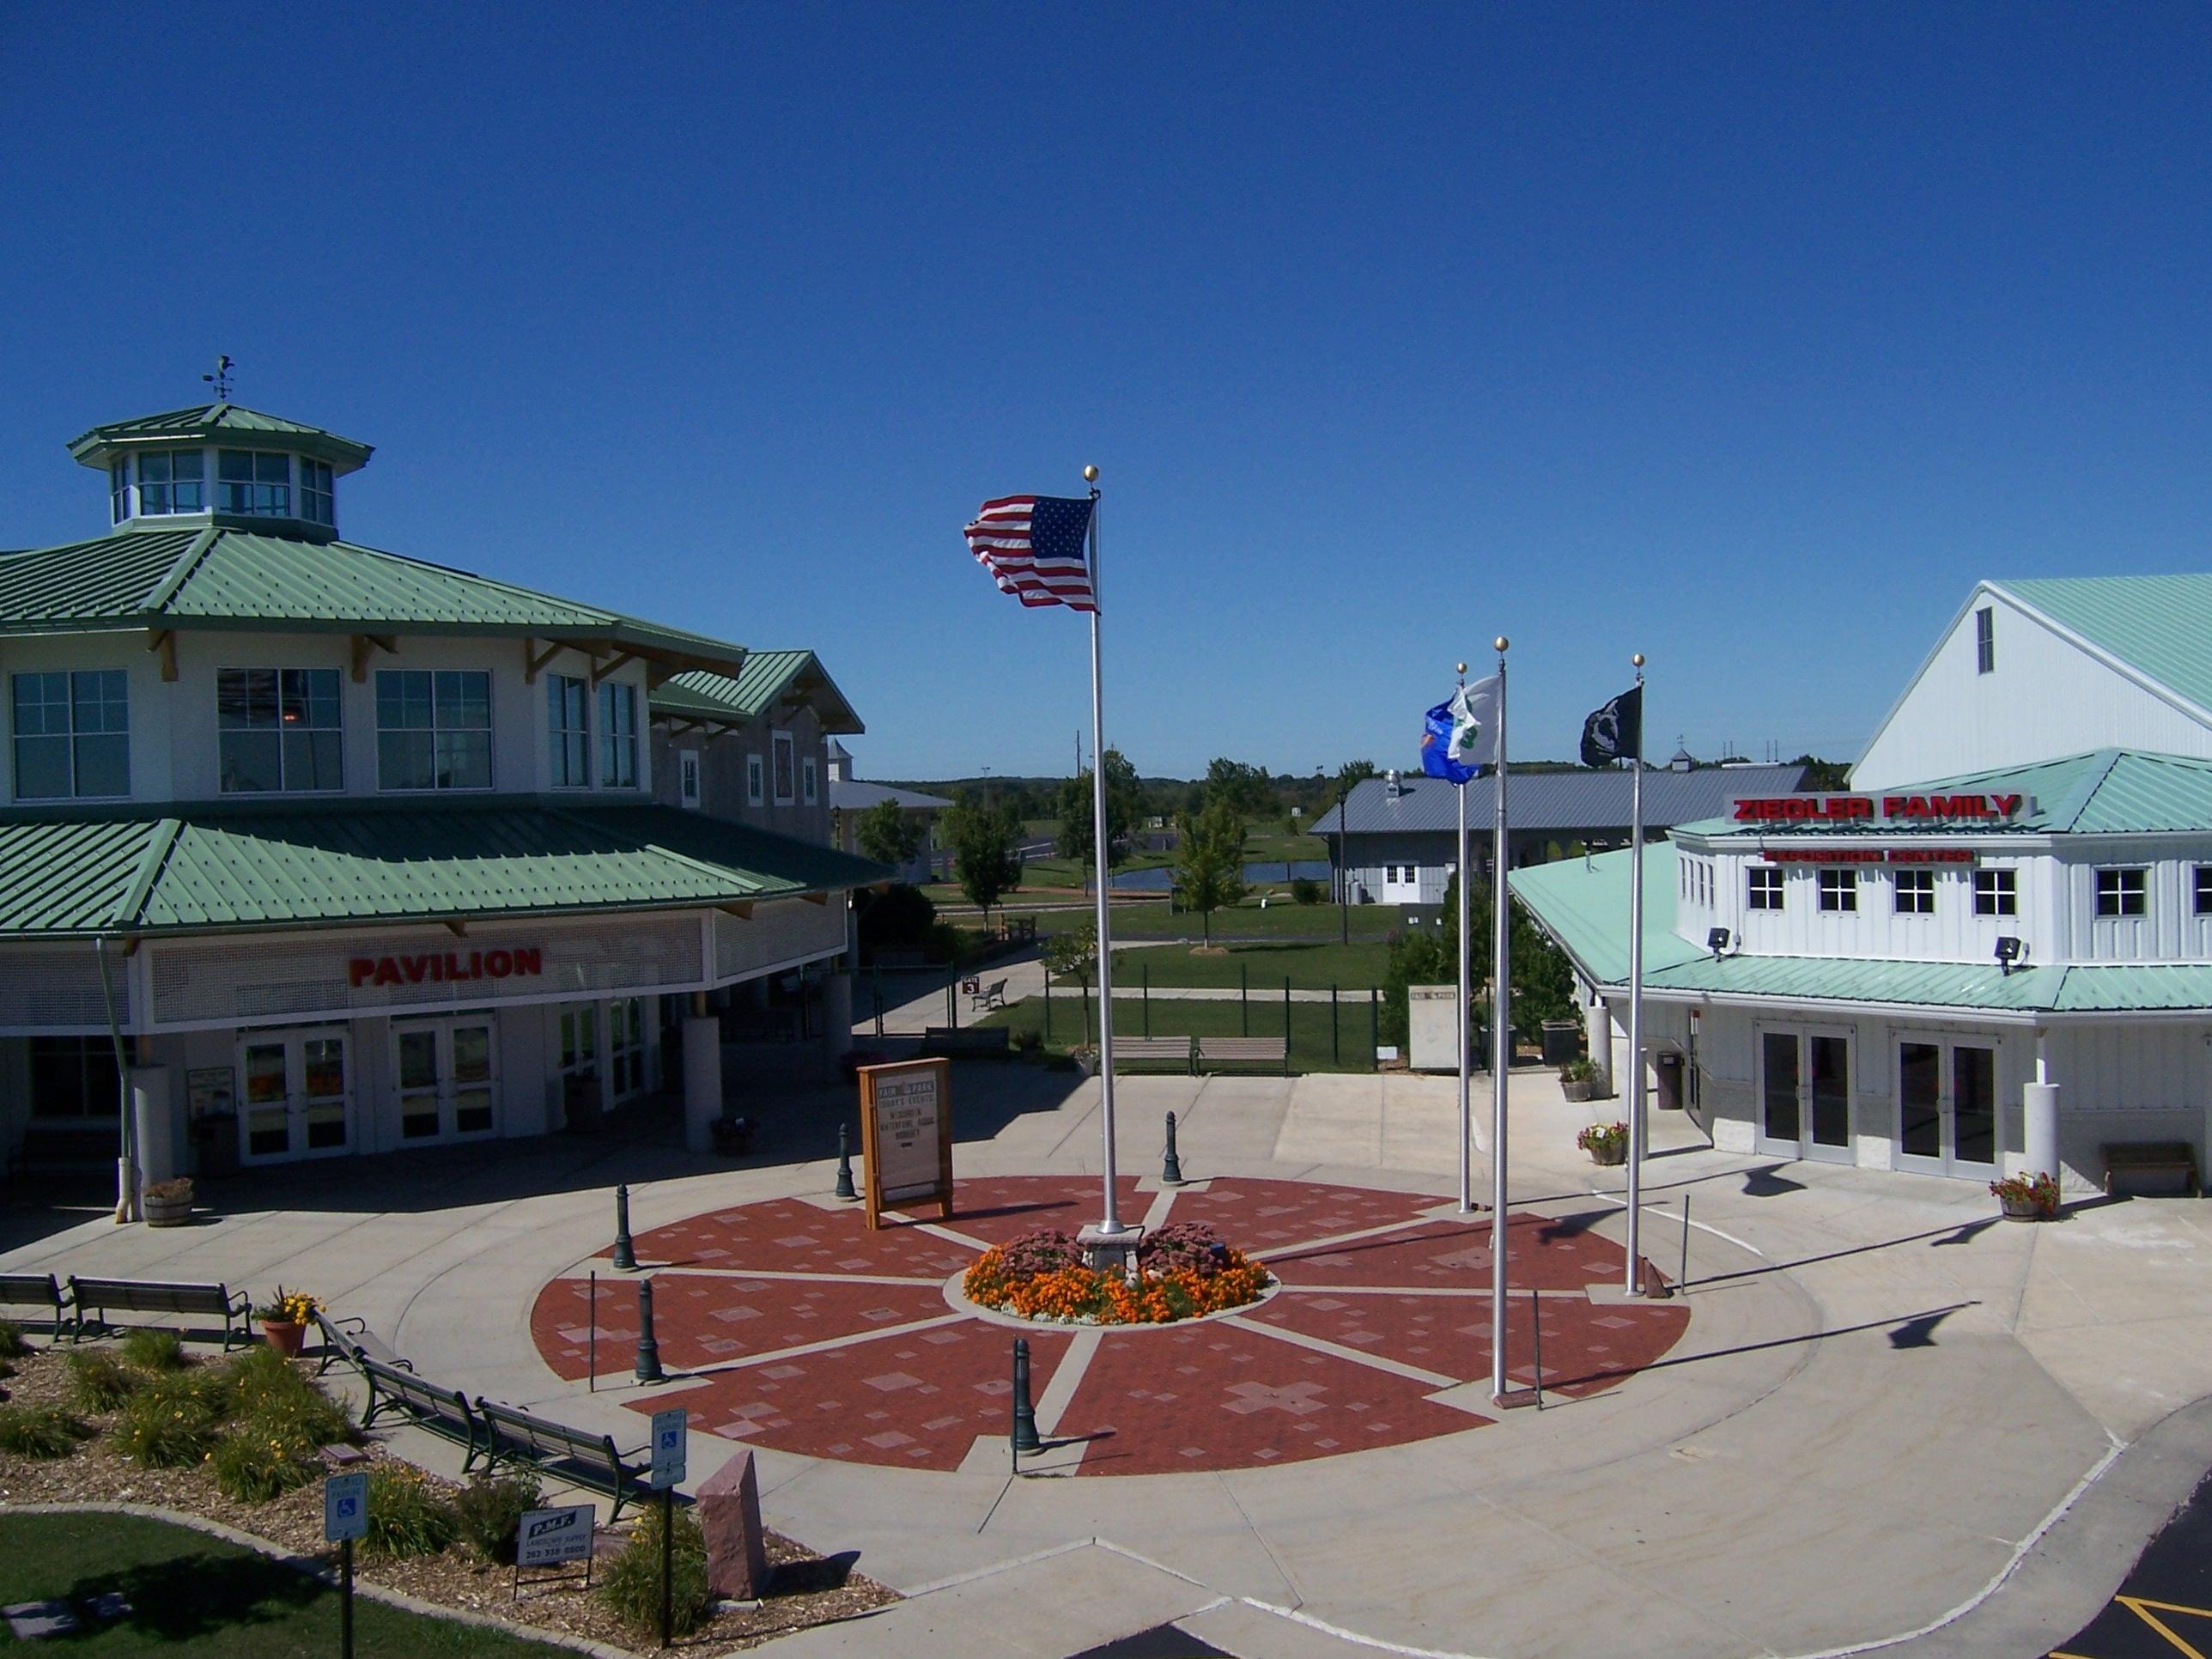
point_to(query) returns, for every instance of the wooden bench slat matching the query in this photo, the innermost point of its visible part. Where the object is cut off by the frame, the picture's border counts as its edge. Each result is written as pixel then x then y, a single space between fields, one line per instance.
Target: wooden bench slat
pixel 571 1453
pixel 1276 1050
pixel 40 1291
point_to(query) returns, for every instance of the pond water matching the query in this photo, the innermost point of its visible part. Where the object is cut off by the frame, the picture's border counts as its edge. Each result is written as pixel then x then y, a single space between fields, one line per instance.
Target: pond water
pixel 1162 878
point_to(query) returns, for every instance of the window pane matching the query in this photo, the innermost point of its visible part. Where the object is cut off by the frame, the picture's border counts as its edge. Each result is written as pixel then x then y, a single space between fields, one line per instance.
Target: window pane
pixel 1779 1096
pixel 42 769
pixel 250 761
pixel 464 760
pixel 404 761
pixel 100 700
pixel 103 766
pixel 245 697
pixel 1919 1113
pixel 313 761
pixel 1974 1105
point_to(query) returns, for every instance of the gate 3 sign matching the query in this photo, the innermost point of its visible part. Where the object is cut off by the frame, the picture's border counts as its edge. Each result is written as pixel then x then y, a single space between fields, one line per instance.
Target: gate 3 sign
pixel 548 1537
pixel 906 1135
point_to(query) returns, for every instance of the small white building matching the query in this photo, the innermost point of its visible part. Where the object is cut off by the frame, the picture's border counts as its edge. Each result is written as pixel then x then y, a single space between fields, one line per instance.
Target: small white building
pixel 2003 969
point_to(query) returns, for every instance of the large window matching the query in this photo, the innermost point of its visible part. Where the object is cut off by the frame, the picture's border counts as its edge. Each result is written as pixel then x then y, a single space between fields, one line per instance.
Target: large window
pixel 173 481
pixel 72 734
pixel 618 737
pixel 279 728
pixel 1839 890
pixel 568 709
pixel 2121 892
pixel 784 778
pixel 317 504
pixel 1986 640
pixel 433 729
pixel 119 490
pixel 1764 892
pixel 1916 892
pixel 1996 893
pixel 251 481
pixel 74 1077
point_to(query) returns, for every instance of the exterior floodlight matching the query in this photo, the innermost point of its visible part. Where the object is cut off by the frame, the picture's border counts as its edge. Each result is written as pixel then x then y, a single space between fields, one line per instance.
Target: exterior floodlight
pixel 2010 949
pixel 1717 941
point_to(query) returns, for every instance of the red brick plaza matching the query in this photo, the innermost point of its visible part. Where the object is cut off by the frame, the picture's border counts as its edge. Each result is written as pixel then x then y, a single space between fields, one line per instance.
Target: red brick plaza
pixel 801 1330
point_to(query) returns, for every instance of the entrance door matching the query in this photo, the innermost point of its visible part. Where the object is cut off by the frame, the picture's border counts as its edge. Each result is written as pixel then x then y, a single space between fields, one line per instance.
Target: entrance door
pixel 1805 1094
pixel 448 1079
pixel 1947 1107
pixel 298 1095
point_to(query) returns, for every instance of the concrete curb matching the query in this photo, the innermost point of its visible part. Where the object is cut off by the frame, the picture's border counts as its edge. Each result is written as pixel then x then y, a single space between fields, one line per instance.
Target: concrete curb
pixel 314 1569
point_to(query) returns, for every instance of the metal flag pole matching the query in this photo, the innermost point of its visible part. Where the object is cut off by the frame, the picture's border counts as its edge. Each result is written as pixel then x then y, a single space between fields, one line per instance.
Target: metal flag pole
pixel 1501 1050
pixel 1466 1043
pixel 1110 1217
pixel 1636 1124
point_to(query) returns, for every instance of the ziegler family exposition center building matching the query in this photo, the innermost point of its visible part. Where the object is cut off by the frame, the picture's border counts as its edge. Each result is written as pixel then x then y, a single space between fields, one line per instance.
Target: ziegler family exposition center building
pixel 360 852
pixel 1993 954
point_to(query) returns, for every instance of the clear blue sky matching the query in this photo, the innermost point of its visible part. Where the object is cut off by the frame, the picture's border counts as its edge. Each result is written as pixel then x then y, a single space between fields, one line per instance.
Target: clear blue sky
pixel 1747 337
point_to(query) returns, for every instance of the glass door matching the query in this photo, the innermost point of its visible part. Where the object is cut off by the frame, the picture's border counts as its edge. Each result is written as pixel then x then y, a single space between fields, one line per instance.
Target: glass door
pixel 448 1079
pixel 1947 1107
pixel 1805 1094
pixel 298 1095
pixel 1777 1089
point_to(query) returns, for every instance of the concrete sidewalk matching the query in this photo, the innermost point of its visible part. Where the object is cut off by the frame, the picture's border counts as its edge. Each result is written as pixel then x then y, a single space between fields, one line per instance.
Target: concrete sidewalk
pixel 1884 1395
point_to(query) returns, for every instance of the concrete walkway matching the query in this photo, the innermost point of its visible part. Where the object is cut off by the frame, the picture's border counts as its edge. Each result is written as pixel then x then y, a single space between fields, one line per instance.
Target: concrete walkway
pixel 1884 1398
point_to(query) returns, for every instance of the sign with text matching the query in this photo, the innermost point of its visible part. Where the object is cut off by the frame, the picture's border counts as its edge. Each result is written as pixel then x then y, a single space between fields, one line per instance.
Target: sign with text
pixel 906 1135
pixel 345 1507
pixel 1881 808
pixel 1866 854
pixel 548 1537
pixel 670 1443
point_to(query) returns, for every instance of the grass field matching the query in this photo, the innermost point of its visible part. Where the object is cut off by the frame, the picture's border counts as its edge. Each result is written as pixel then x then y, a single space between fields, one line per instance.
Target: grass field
pixel 1271 845
pixel 1264 967
pixel 192 1594
pixel 1317 1044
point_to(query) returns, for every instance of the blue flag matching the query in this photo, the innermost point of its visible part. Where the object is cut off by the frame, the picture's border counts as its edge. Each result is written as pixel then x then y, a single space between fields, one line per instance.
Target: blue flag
pixel 1459 738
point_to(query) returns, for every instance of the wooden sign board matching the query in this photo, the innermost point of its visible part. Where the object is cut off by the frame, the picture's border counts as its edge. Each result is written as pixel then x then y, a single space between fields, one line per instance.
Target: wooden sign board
pixel 906 1136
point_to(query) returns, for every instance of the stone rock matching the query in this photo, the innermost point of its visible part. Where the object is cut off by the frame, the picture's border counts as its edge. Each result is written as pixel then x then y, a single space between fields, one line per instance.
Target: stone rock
pixel 29 1621
pixel 729 1515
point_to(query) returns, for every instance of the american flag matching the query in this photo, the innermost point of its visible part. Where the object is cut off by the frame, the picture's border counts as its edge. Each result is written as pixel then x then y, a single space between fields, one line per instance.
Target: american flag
pixel 1032 545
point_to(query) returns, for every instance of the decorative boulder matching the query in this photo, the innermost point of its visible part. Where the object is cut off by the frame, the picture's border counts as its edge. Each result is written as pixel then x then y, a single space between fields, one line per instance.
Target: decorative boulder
pixel 729 1515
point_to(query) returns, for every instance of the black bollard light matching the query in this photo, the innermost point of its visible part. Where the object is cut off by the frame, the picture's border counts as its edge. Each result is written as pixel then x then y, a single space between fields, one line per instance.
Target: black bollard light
pixel 1171 1166
pixel 625 1257
pixel 1025 1434
pixel 845 1162
pixel 647 1368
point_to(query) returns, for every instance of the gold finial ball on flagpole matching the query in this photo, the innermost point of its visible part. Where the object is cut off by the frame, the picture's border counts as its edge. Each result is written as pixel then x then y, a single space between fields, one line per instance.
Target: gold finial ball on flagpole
pixel 1501 642
pixel 1091 474
pixel 1638 659
pixel 1462 668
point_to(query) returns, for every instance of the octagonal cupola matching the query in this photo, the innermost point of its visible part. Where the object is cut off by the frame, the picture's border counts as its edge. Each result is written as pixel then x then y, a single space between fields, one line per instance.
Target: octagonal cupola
pixel 220 464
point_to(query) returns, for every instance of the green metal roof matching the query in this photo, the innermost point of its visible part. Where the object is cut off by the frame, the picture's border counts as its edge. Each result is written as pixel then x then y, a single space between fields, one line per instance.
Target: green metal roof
pixel 2161 626
pixel 1583 904
pixel 225 866
pixel 248 429
pixel 764 676
pixel 214 576
pixel 2103 792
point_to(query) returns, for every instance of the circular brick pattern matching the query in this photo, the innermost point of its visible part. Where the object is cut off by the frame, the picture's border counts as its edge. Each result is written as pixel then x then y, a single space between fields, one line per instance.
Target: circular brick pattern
pixel 796 1327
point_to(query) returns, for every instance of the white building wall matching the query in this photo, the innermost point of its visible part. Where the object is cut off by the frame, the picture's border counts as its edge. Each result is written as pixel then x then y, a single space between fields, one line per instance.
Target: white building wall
pixel 2045 697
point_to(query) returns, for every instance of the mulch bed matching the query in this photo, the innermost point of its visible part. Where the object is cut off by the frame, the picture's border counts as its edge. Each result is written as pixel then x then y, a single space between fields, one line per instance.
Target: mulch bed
pixel 813 1591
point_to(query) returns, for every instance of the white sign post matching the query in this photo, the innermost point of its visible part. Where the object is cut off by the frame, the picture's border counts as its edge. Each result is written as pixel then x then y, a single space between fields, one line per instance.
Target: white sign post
pixel 345 1517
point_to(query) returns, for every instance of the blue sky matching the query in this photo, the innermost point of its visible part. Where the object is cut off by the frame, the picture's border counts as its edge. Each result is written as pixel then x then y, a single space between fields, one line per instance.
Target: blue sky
pixel 1747 337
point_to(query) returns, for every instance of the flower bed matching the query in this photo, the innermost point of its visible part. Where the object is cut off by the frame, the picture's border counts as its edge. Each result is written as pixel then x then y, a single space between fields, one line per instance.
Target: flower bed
pixel 1184 1270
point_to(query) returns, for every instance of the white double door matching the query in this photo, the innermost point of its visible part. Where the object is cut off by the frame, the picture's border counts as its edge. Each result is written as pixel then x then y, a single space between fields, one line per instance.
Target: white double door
pixel 447 1072
pixel 298 1095
pixel 1805 1093
pixel 1946 1106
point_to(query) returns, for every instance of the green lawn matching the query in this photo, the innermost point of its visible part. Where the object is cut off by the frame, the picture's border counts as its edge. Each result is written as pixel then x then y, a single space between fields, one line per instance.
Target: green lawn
pixel 1263 967
pixel 1270 846
pixel 1313 1048
pixel 192 1594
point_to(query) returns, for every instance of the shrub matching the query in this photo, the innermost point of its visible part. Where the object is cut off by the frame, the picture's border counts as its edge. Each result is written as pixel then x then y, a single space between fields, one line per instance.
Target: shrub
pixel 1580 1069
pixel 176 1187
pixel 897 919
pixel 489 1513
pixel 268 1453
pixel 944 943
pixel 406 1514
pixel 1306 890
pixel 39 1431
pixel 173 1421
pixel 154 1351
pixel 262 1380
pixel 99 1381
pixel 12 1345
pixel 1186 1246
pixel 631 1583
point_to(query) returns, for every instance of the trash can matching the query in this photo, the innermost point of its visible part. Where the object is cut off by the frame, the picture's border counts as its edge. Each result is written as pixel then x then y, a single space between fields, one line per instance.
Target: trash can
pixel 1563 1041
pixel 1668 1065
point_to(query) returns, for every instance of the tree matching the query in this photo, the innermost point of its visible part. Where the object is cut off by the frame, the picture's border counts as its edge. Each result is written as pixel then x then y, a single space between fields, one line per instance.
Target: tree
pixel 1821 775
pixel 1210 862
pixel 1244 788
pixel 887 834
pixel 983 838
pixel 1124 805
pixel 1543 979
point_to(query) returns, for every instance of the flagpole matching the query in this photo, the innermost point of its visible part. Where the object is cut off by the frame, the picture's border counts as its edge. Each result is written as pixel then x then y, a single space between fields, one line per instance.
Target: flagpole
pixel 1636 1123
pixel 1110 1217
pixel 1501 1053
pixel 1466 1044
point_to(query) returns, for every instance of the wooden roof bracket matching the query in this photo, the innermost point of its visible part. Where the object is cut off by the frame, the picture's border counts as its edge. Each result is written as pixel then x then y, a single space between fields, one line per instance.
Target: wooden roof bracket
pixel 743 912
pixel 163 641
pixel 600 671
pixel 534 660
pixel 458 925
pixel 815 898
pixel 362 645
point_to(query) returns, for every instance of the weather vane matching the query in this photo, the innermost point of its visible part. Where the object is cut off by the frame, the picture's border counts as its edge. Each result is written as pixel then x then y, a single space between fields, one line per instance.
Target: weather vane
pixel 221 378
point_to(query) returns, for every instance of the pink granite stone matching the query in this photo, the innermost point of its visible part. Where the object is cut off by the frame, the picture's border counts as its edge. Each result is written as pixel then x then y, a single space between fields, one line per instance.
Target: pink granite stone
pixel 730 1514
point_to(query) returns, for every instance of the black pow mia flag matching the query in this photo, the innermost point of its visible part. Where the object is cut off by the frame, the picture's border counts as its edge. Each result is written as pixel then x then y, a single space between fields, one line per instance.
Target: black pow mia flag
pixel 1616 730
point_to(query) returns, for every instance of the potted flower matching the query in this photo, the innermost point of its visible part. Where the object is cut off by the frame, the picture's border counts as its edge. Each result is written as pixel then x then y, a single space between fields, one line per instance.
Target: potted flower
pixel 169 1203
pixel 1606 1143
pixel 1578 1078
pixel 1087 1060
pixel 2027 1197
pixel 284 1319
